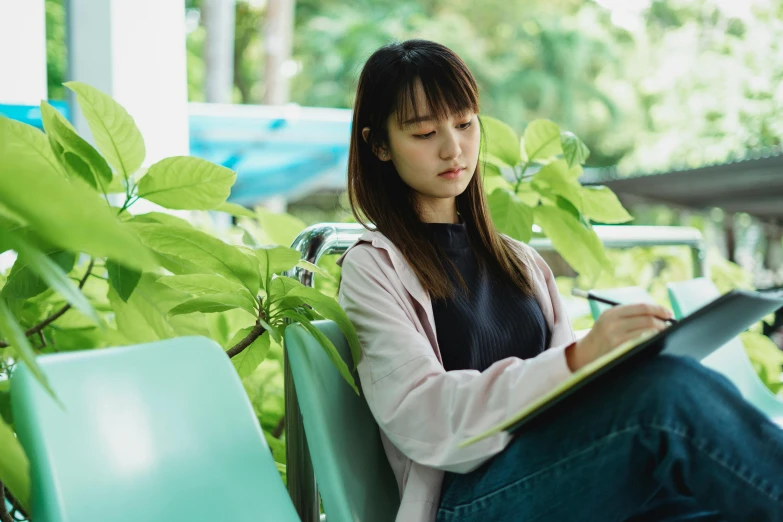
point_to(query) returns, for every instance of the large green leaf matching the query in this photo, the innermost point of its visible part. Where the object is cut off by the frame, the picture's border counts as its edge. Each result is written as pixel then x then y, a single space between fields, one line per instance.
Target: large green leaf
pixel 601 204
pixel 203 250
pixel 248 359
pixel 51 273
pixel 575 151
pixel 145 317
pixel 123 280
pixel 558 178
pixel 236 210
pixel 502 142
pixel 14 466
pixel 199 284
pixel 277 229
pixel 327 345
pixel 212 303
pixel 161 218
pixel 113 129
pixel 187 183
pixel 510 215
pixel 276 260
pixel 67 214
pixel 542 140
pixel 315 269
pixel 88 164
pixel 15 337
pixel 329 309
pixel 579 246
pixel 24 283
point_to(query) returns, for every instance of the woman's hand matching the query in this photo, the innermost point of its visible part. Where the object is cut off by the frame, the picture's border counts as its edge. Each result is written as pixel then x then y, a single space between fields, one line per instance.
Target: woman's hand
pixel 614 327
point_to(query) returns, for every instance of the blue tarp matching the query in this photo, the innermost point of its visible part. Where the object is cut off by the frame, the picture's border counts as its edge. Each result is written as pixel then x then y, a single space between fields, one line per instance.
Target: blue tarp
pixel 286 150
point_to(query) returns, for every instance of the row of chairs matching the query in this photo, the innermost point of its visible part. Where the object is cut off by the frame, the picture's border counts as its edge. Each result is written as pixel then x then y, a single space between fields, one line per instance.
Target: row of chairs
pixel 130 442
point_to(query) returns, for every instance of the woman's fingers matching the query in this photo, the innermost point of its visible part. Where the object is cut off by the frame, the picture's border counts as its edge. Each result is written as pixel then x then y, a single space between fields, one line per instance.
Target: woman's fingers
pixel 642 309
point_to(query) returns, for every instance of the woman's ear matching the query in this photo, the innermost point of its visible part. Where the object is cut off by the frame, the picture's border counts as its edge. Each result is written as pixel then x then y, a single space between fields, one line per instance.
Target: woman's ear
pixel 381 152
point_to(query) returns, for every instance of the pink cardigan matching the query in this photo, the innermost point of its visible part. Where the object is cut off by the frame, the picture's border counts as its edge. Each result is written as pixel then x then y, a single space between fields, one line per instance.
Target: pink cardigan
pixel 423 411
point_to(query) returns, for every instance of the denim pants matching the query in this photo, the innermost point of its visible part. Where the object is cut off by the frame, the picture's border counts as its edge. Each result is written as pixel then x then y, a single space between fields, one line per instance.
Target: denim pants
pixel 668 440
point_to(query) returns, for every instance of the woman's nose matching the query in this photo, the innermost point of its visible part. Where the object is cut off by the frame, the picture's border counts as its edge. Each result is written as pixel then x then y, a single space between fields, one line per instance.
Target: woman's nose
pixel 450 147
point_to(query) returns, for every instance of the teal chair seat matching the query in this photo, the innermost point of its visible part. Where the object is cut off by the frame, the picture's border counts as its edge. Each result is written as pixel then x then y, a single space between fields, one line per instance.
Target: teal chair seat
pixel 731 359
pixel 353 475
pixel 158 432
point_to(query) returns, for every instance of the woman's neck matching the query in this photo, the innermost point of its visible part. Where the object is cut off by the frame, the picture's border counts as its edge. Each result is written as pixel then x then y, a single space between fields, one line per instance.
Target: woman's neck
pixel 439 211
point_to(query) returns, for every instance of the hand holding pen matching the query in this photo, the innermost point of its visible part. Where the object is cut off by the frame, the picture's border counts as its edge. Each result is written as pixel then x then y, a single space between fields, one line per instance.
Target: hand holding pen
pixel 614 327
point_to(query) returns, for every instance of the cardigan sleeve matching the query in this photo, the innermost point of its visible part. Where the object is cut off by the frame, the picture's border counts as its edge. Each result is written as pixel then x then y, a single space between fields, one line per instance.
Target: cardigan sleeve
pixel 424 410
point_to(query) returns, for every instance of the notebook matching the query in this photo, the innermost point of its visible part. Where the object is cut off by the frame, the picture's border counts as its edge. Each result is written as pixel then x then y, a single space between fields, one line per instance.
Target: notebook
pixel 696 336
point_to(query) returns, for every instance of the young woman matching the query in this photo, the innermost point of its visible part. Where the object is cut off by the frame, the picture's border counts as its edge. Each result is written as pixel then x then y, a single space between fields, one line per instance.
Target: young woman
pixel 461 327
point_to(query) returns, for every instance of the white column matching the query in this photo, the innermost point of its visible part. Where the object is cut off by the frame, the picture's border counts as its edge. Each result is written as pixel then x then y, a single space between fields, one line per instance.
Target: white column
pixel 22 52
pixel 134 50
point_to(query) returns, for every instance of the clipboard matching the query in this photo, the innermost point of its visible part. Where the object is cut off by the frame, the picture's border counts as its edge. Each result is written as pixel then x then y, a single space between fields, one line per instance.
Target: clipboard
pixel 697 335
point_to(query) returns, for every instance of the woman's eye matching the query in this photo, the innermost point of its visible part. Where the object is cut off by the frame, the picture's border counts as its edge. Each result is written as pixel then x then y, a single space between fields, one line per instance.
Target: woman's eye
pixel 465 125
pixel 424 136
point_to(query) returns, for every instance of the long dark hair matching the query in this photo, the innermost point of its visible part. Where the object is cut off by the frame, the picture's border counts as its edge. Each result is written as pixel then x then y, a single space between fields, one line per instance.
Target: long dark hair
pixel 377 194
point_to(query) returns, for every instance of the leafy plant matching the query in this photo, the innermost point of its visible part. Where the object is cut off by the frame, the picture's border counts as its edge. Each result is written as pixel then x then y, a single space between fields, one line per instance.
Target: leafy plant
pixel 89 273
pixel 541 186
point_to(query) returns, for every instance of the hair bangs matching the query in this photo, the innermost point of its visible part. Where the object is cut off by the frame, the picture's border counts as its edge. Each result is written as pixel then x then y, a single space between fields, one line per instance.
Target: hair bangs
pixel 447 91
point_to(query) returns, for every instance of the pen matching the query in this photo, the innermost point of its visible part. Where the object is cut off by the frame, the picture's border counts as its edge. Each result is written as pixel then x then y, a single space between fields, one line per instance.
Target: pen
pixel 592 297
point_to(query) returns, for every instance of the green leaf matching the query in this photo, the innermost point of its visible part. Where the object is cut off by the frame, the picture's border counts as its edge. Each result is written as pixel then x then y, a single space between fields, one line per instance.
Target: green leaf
pixel 161 218
pixel 212 303
pixel 560 181
pixel 327 345
pixel 78 157
pixel 203 250
pixel 51 273
pixel 6 414
pixel 310 267
pixel 490 169
pixel 574 150
pixel 15 337
pixel 527 194
pixel 123 280
pixel 493 183
pixel 248 359
pixel 236 210
pixel 70 215
pixel 601 205
pixel 199 284
pixel 282 285
pixel 145 317
pixel 542 140
pixel 579 246
pixel 510 215
pixel 277 229
pixel 14 466
pixel 24 283
pixel 329 309
pixel 276 260
pixel 113 129
pixel 502 142
pixel 187 183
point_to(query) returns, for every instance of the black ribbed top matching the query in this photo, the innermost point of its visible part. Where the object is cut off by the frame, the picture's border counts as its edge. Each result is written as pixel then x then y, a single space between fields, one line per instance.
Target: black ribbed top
pixel 496 320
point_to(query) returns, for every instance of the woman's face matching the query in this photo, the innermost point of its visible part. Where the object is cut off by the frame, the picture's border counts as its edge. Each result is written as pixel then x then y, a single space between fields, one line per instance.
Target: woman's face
pixel 437 159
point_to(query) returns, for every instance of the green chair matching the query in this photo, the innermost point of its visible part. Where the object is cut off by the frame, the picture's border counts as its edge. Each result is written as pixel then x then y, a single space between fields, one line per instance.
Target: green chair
pixel 353 475
pixel 624 295
pixel 731 359
pixel 162 431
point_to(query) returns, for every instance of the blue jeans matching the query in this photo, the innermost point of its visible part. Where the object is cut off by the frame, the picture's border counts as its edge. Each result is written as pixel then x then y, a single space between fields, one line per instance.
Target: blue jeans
pixel 668 440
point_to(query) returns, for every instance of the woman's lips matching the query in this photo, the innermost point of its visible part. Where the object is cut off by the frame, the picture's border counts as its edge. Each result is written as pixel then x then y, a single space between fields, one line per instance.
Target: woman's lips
pixel 451 174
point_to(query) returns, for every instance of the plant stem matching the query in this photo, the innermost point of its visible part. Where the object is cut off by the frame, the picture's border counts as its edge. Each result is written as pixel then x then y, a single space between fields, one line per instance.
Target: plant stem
pixel 4 515
pixel 254 334
pixel 49 320
pixel 279 428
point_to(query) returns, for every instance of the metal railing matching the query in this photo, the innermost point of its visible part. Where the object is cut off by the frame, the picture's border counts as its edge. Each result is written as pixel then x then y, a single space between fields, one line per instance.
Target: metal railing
pixel 335 238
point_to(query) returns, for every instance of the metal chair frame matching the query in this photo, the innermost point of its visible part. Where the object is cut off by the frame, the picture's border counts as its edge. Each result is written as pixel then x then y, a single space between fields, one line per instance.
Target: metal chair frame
pixel 334 238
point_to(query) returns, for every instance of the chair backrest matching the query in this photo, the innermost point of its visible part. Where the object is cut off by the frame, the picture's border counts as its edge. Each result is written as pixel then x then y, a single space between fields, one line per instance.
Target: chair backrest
pixel 624 295
pixel 158 432
pixel 353 474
